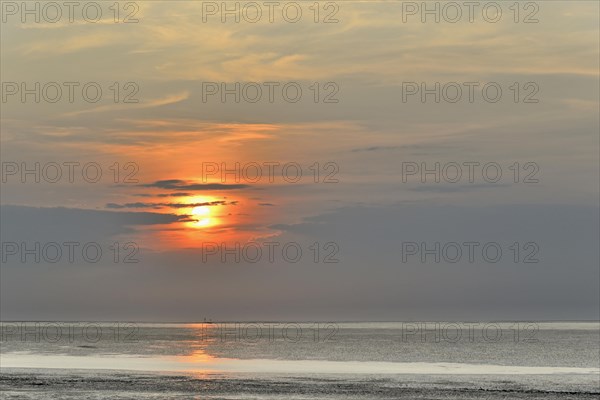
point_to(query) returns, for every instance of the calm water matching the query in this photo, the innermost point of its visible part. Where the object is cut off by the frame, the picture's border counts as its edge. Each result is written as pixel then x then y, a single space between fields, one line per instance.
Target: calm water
pixel 291 360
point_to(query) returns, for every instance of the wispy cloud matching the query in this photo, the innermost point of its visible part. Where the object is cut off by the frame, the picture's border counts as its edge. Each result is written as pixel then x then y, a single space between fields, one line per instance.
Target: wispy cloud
pixel 170 99
pixel 177 184
pixel 170 205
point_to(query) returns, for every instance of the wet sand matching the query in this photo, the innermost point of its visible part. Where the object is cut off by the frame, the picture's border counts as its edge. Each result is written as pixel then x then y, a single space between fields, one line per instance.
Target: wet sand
pixel 69 384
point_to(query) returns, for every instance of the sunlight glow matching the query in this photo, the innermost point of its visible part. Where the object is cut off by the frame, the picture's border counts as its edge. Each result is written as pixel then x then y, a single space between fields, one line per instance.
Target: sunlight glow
pixel 202 215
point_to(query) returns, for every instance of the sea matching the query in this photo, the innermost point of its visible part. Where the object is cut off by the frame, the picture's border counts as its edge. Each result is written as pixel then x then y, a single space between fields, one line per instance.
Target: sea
pixel 300 360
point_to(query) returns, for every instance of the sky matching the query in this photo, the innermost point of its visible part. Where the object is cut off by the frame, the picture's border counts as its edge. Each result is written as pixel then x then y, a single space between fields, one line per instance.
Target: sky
pixel 357 160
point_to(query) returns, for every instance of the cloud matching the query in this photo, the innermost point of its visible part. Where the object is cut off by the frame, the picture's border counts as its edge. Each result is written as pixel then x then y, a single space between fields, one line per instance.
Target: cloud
pixel 59 223
pixel 177 285
pixel 182 194
pixel 177 184
pixel 376 148
pixel 170 205
pixel 170 99
pixel 455 188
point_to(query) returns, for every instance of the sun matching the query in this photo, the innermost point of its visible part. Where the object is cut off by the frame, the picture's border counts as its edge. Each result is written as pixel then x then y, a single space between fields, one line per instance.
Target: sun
pixel 201 211
pixel 202 216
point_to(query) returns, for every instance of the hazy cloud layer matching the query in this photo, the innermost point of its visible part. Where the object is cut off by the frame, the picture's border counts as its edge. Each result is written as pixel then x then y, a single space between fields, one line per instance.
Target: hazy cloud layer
pixel 370 275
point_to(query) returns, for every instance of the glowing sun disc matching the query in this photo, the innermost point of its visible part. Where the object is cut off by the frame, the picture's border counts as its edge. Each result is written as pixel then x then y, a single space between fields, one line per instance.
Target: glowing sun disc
pixel 202 214
pixel 201 211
